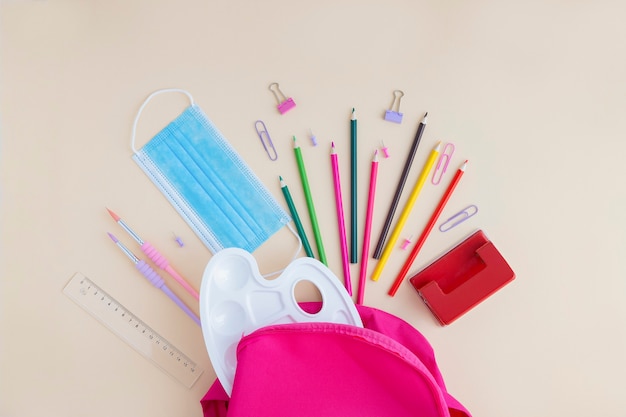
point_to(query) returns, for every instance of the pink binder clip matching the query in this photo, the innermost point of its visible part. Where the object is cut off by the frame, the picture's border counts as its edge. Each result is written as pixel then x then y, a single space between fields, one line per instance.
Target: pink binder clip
pixel 284 104
pixel 442 164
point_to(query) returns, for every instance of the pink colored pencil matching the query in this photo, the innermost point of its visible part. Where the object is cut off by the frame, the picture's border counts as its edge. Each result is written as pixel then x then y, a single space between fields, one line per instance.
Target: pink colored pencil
pixel 340 219
pixel 368 229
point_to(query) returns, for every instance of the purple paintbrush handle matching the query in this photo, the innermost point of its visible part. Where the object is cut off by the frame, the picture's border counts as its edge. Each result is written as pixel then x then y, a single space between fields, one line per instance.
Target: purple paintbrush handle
pixel 180 304
pixel 156 280
pixel 152 276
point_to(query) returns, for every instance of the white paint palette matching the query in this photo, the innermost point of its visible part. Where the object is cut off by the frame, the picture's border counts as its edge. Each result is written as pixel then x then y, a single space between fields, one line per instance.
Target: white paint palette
pixel 235 300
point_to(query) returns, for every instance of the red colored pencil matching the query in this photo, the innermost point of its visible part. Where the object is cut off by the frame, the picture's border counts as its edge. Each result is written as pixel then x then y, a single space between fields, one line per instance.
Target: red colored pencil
pixel 427 229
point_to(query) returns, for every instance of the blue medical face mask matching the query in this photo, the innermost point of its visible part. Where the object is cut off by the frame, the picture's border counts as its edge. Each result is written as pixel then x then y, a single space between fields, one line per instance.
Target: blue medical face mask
pixel 208 183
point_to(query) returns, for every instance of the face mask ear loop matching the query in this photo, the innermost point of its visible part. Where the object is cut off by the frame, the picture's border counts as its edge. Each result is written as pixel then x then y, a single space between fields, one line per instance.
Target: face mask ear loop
pixel 295 255
pixel 150 97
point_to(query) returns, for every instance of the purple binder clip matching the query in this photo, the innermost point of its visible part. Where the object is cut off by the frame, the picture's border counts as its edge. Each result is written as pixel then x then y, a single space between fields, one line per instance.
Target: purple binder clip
pixel 284 104
pixel 392 115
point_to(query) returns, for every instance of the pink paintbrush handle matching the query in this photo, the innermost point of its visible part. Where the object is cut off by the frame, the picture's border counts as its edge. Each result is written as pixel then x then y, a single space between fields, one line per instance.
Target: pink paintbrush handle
pixel 163 263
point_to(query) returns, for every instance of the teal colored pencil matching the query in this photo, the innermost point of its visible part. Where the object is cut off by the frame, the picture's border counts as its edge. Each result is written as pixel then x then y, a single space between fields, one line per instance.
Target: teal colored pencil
pixel 309 202
pixel 353 190
pixel 296 218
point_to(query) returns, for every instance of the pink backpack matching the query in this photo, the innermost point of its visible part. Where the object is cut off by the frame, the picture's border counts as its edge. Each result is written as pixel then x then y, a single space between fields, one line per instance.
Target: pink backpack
pixel 386 368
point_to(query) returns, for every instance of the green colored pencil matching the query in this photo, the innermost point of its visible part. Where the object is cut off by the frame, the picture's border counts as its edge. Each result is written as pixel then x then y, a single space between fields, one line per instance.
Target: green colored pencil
pixel 309 202
pixel 296 218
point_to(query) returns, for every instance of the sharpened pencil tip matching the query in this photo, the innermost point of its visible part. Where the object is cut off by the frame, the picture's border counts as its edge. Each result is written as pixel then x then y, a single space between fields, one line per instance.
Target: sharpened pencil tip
pixel 113 238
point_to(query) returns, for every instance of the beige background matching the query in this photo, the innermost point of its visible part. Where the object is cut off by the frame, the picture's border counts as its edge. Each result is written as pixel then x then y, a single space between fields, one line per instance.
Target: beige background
pixel 533 93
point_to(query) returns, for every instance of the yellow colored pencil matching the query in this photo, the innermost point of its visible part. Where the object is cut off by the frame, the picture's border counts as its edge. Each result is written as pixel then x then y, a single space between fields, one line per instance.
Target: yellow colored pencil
pixel 391 243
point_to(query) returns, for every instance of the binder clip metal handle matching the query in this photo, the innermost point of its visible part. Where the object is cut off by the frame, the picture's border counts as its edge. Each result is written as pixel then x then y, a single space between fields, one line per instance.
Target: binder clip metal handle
pixel 284 104
pixel 393 114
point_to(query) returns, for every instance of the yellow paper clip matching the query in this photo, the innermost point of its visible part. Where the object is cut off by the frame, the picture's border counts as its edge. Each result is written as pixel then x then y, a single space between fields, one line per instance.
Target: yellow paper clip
pixel 266 140
pixel 442 164
pixel 458 218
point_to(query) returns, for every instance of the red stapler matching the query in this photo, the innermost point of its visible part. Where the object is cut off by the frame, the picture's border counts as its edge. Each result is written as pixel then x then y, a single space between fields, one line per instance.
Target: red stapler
pixel 462 278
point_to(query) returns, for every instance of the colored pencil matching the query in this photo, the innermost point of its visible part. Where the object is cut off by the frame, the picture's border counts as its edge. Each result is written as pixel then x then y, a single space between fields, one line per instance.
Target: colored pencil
pixel 368 229
pixel 309 202
pixel 296 218
pixel 400 186
pixel 353 189
pixel 406 211
pixel 341 223
pixel 429 226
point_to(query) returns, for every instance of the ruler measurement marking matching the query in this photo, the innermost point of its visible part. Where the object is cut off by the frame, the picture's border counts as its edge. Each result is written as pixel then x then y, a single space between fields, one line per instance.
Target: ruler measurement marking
pixel 128 327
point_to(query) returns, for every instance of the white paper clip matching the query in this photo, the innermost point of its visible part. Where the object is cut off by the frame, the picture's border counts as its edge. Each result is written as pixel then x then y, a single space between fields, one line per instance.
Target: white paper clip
pixel 284 104
pixel 458 218
pixel 442 163
pixel 392 115
pixel 266 140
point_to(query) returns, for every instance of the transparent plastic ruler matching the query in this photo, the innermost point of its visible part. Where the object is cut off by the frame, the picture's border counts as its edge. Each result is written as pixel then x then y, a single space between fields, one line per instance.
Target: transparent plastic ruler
pixel 132 330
